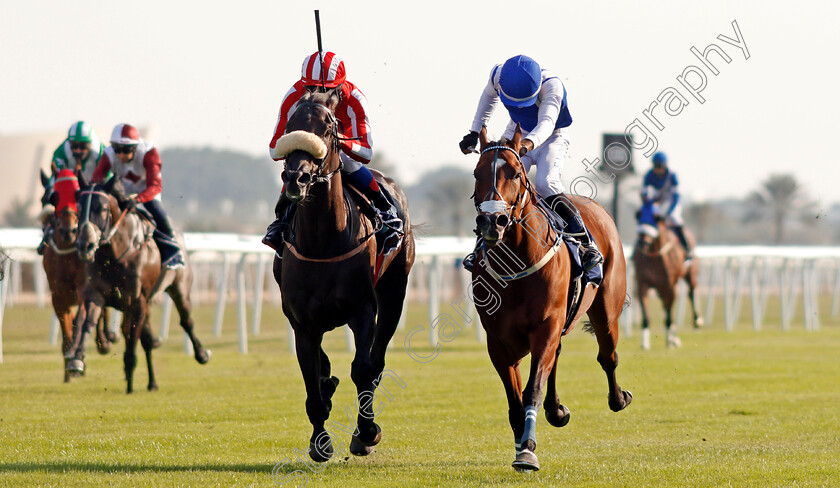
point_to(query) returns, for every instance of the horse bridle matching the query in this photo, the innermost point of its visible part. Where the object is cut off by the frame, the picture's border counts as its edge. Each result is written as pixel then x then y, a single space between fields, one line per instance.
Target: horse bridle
pixel 490 205
pixel 320 177
pixel 104 238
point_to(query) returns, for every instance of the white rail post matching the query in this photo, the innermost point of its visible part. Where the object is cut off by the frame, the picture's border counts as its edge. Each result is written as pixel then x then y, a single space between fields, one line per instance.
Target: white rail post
pixel 4 290
pixel 710 295
pixel 835 298
pixel 40 283
pixel 259 284
pixel 220 299
pixel 434 297
pixel 53 338
pixel 241 312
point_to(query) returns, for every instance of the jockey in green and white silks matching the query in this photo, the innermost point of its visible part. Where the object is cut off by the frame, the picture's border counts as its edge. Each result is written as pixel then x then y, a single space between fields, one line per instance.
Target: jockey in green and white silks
pixel 536 100
pixel 80 151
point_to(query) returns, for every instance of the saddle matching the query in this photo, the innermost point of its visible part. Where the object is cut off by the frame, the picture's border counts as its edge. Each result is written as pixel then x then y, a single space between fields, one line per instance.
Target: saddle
pixel 578 279
pixel 388 244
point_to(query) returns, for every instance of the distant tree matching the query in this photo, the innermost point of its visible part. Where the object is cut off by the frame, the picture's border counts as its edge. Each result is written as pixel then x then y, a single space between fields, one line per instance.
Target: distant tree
pixel 18 215
pixel 442 198
pixel 701 217
pixel 779 198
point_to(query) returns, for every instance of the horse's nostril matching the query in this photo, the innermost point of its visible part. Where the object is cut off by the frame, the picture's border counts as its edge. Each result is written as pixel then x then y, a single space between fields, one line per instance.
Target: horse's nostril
pixel 502 221
pixel 304 178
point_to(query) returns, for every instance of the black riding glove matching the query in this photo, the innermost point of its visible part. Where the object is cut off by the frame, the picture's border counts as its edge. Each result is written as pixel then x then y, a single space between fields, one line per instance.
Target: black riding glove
pixel 128 204
pixel 469 142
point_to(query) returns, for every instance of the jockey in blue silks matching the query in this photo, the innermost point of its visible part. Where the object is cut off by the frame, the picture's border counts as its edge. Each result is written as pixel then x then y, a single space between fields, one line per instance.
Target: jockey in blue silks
pixel 536 100
pixel 661 188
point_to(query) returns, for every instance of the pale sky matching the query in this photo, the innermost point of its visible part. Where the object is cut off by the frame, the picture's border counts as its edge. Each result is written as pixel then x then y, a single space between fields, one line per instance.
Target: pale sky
pixel 210 75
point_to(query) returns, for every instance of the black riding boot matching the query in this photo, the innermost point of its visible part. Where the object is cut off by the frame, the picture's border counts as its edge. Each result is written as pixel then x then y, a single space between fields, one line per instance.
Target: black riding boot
pixel 469 259
pixel 567 211
pixel 164 235
pixel 678 230
pixel 274 233
pixel 386 209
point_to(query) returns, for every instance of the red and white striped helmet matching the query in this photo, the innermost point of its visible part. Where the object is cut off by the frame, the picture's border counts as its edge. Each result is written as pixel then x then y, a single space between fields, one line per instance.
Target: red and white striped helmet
pixel 125 134
pixel 333 67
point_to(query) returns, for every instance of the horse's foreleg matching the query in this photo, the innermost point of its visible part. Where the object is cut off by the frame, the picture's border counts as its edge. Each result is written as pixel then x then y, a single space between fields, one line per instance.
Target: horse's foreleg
pixel 103 340
pixel 643 298
pixel 308 350
pixel 507 368
pixel 544 345
pixel 147 340
pixel 65 321
pixel 556 414
pixel 86 318
pixel 671 339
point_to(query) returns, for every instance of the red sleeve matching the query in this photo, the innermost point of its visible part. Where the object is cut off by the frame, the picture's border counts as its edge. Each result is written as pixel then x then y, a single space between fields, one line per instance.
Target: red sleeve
pixel 292 96
pixel 102 169
pixel 360 147
pixel 151 161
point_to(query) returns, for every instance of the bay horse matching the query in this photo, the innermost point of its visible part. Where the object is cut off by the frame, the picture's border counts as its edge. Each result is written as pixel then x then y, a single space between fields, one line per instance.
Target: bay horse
pixel 659 262
pixel 330 274
pixel 65 271
pixel 124 272
pixel 531 311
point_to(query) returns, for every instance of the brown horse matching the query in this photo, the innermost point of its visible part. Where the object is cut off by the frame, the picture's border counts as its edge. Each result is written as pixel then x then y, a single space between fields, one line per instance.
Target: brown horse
pixel 329 274
pixel 659 262
pixel 125 273
pixel 65 271
pixel 530 310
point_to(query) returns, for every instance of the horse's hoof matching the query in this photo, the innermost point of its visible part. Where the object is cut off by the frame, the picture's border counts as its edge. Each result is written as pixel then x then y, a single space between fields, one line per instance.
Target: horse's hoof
pixel 203 356
pixel 699 323
pixel 559 417
pixel 526 460
pixel 157 342
pixel 112 337
pixel 616 405
pixel 375 437
pixel 153 387
pixel 103 349
pixel 322 453
pixel 673 342
pixel 359 449
pixel 75 366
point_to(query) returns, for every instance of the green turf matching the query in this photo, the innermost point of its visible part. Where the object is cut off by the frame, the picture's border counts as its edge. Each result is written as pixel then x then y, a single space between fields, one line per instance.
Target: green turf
pixel 738 408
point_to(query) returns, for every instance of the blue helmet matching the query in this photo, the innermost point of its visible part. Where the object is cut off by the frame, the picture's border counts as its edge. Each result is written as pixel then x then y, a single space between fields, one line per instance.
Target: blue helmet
pixel 660 159
pixel 520 81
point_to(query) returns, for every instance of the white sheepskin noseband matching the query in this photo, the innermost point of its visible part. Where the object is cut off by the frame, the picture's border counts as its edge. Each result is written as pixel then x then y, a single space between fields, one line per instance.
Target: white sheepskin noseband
pixel 300 140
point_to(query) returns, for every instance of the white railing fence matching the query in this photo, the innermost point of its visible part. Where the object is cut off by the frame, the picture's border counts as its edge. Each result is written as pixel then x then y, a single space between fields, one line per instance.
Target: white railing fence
pixel 232 268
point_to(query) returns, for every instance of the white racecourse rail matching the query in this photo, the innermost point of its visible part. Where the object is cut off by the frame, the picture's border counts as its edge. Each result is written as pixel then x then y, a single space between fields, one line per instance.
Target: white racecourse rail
pixel 728 272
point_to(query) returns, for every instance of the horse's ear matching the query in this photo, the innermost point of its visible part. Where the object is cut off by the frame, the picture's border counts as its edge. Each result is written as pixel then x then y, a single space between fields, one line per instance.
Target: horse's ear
pixel 482 138
pixel 83 181
pixel 54 199
pixel 45 180
pixel 517 138
pixel 109 185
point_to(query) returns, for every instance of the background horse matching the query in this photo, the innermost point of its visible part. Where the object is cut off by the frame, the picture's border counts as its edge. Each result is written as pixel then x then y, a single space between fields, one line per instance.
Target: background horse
pixel 532 305
pixel 329 274
pixel 125 273
pixel 65 271
pixel 659 262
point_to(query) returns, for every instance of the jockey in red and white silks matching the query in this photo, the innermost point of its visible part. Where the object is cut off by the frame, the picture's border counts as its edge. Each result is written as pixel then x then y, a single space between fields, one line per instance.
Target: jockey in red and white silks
pixel 536 100
pixel 326 70
pixel 136 162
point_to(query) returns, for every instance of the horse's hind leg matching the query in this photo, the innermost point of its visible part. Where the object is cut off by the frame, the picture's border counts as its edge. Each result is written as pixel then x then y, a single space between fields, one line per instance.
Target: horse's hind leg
pixel 103 338
pixel 691 280
pixel 147 340
pixel 133 319
pixel 556 413
pixel 604 317
pixel 180 293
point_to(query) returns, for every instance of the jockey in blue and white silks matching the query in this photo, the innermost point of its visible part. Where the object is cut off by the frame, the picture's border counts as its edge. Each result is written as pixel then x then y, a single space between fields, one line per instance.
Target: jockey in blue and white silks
pixel 535 99
pixel 661 188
